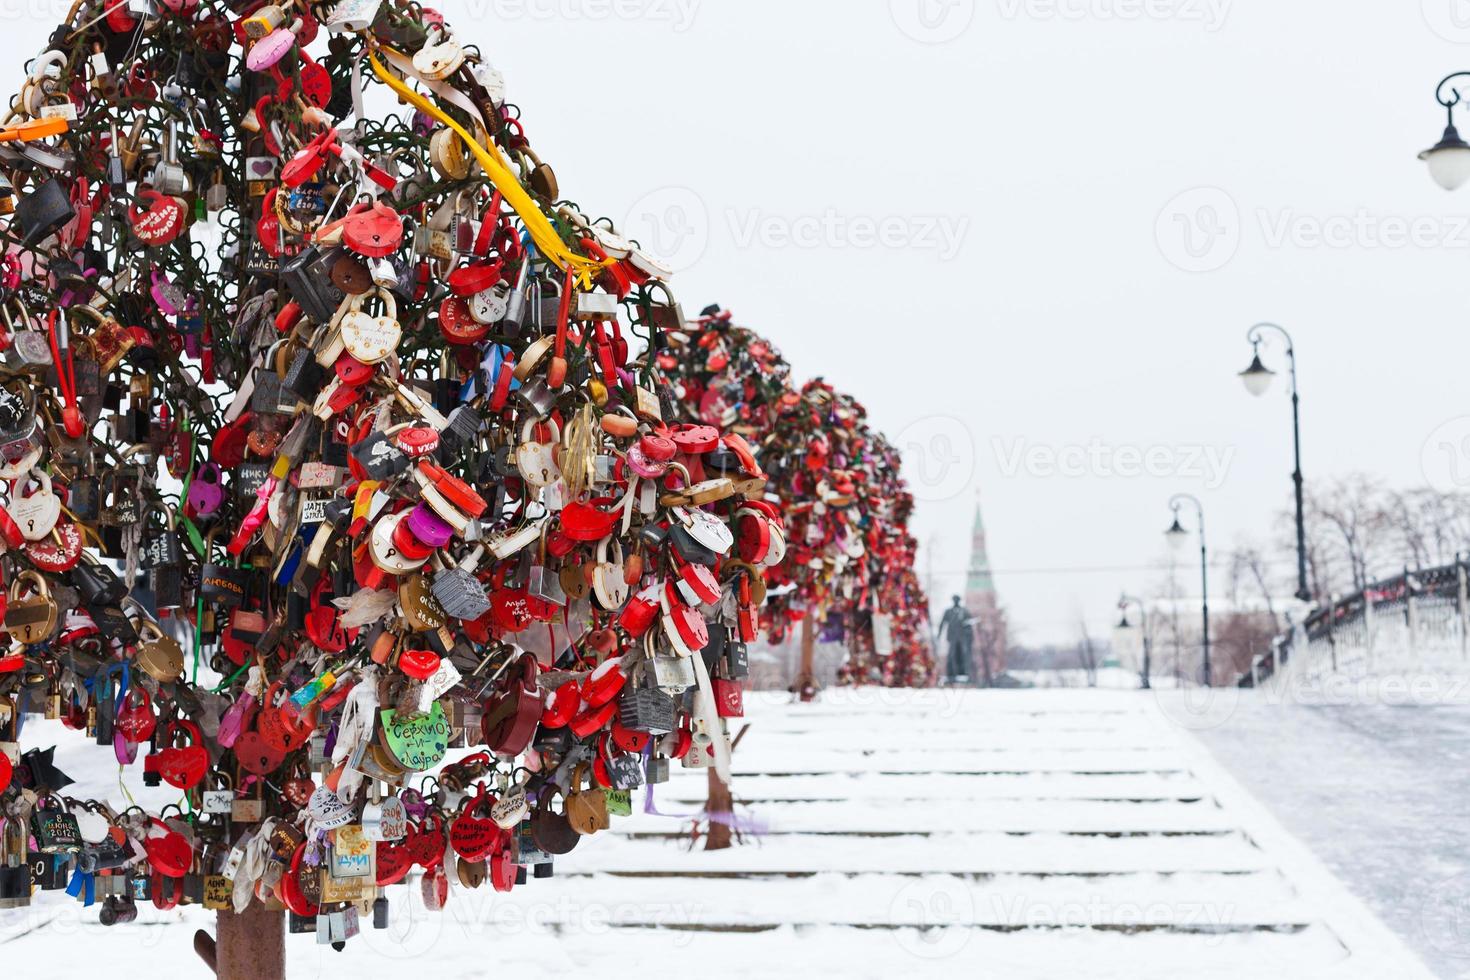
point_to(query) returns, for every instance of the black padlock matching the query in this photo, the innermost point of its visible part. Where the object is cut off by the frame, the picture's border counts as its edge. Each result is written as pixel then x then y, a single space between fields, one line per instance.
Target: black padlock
pixel 97 584
pixel 379 457
pixel 306 277
pixel 304 376
pixel 43 212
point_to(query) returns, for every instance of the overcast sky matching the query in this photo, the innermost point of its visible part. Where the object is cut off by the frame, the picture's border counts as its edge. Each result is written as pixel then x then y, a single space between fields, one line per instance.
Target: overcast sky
pixel 1031 234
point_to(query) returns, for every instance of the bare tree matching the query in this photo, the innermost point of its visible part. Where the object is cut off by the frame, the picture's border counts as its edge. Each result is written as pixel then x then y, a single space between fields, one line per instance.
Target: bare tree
pixel 1086 652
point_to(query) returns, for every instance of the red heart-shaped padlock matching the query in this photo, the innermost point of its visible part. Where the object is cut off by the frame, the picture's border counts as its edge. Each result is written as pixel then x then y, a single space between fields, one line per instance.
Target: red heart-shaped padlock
pixel 418 664
pixel 473 837
pixel 185 767
pixel 161 221
pixel 256 756
pixel 135 719
pixel 374 232
pixel 168 850
pixel 395 861
pixel 427 845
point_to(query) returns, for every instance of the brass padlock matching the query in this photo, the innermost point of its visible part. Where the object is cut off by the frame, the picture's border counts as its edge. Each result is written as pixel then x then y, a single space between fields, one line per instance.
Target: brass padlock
pixel 30 618
pixel 159 655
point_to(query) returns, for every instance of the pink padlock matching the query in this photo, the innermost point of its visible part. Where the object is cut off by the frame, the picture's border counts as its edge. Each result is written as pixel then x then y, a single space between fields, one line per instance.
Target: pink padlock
pixel 206 493
pixel 429 527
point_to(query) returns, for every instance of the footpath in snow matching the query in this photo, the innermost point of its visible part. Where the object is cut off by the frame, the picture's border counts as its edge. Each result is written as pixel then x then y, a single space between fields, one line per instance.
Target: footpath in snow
pixel 1015 834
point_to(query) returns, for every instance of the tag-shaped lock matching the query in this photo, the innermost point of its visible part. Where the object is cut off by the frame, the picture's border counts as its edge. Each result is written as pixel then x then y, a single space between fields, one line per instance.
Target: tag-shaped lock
pixel 30 617
pixel 421 610
pixel 160 546
pixel 35 511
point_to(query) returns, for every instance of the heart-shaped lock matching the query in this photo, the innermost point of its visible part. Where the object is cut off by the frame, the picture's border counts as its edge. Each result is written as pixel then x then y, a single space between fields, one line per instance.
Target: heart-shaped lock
pixel 58 553
pixel 169 851
pixel 135 720
pixel 161 221
pixel 503 871
pixel 328 810
pixel 419 664
pixel 536 461
pixel 474 834
pixel 34 507
pixel 257 756
pixel 608 581
pixel 395 861
pixel 183 768
pixel 369 338
pixel 282 731
pixel 374 231
pixel 206 492
pixel 427 844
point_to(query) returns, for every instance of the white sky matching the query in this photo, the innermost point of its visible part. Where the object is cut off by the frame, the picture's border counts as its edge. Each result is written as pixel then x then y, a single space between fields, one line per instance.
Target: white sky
pixel 771 142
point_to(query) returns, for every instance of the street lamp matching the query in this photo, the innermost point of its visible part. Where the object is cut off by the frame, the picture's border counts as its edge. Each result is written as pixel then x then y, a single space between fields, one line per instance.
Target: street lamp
pixel 1123 604
pixel 1257 380
pixel 1178 535
pixel 1449 159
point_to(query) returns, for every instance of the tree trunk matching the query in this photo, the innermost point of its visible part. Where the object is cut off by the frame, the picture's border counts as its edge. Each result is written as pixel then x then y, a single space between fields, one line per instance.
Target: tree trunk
pixel 806 681
pixel 251 946
pixel 720 802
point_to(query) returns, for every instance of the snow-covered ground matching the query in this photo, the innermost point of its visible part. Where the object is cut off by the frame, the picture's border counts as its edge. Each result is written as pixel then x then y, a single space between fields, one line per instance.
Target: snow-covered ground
pixel 1008 834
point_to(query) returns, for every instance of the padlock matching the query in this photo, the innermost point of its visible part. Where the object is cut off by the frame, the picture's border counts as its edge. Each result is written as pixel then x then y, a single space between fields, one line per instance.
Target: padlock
pixel 459 592
pixel 30 618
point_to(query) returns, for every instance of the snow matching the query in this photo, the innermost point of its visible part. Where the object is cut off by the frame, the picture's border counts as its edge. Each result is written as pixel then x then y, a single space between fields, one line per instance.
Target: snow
pixel 1015 834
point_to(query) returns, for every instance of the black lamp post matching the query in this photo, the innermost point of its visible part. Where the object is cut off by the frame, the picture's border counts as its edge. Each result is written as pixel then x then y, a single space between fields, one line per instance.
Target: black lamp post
pixel 1123 624
pixel 1449 159
pixel 1257 379
pixel 1177 537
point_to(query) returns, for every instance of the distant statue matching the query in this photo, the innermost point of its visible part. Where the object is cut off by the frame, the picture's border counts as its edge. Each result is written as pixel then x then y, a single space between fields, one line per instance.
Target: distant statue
pixel 955 626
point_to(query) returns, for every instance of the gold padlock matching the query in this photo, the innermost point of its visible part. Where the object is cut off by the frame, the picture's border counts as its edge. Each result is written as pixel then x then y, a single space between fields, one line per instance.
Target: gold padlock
pixel 30 618
pixel 159 655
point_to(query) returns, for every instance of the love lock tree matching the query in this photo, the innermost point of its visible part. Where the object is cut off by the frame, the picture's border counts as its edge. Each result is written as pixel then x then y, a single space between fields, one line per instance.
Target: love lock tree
pixel 331 465
pixel 843 549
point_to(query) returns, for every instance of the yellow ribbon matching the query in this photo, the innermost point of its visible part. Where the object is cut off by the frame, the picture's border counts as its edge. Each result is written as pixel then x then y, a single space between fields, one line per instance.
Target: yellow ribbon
pixel 548 242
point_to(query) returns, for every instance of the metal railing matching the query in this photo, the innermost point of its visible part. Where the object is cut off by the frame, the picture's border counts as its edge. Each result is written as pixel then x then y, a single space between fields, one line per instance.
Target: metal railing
pixel 1419 619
